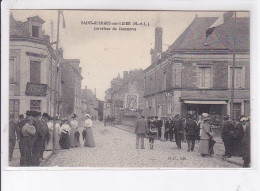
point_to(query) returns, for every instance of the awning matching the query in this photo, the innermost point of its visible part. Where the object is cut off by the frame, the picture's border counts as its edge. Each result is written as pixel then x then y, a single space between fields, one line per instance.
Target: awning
pixel 205 102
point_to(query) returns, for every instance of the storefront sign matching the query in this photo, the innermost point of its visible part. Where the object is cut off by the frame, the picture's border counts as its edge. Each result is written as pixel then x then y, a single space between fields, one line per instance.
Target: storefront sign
pixel 36 55
pixel 36 89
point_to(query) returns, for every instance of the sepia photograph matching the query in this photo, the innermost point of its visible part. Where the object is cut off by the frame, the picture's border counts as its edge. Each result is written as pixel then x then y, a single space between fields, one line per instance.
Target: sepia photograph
pixel 129 88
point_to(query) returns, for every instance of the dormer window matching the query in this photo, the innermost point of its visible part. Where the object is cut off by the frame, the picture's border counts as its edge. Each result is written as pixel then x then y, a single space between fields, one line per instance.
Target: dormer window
pixel 35 31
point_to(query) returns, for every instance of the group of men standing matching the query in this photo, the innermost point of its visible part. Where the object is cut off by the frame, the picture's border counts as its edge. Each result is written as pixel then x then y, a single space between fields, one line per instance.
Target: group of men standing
pixel 236 138
pixel 32 133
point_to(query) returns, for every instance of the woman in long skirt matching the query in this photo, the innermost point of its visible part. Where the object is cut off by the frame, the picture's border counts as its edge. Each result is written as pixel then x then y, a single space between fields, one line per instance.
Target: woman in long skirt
pixel 64 138
pixel 74 136
pixel 206 135
pixel 163 130
pixel 89 141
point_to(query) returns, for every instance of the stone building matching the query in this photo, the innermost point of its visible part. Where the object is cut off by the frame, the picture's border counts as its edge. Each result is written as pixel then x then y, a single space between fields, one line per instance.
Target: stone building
pixel 71 87
pixel 125 96
pixel 89 102
pixel 194 74
pixel 32 69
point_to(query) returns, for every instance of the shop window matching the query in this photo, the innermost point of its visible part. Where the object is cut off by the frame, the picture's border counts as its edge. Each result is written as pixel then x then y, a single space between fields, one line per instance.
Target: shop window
pixel 14 108
pixel 12 71
pixel 204 77
pixel 35 72
pixel 237 110
pixel 35 31
pixel 35 105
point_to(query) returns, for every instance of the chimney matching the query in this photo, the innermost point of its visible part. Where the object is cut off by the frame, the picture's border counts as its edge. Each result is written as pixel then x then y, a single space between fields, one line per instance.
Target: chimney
pixel 125 74
pixel 157 51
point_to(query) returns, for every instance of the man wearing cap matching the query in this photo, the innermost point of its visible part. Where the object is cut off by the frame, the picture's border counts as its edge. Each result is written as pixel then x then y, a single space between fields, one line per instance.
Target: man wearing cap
pixel 140 130
pixel 178 131
pixel 191 132
pixel 13 133
pixel 45 119
pixel 228 136
pixel 38 138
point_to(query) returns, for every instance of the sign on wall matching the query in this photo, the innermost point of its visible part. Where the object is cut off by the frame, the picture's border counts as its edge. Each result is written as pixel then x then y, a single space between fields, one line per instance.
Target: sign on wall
pixel 131 102
pixel 36 89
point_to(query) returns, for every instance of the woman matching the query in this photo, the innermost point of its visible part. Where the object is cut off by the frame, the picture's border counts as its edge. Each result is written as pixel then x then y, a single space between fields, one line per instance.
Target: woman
pixel 64 138
pixel 74 136
pixel 206 136
pixel 28 132
pixel 89 141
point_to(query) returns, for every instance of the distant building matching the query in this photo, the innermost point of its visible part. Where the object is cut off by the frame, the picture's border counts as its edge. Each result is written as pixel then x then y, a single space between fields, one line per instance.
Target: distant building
pixel 71 87
pixel 194 74
pixel 125 97
pixel 32 64
pixel 89 102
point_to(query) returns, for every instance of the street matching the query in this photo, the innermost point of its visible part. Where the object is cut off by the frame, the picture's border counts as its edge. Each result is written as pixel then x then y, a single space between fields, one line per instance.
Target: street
pixel 116 148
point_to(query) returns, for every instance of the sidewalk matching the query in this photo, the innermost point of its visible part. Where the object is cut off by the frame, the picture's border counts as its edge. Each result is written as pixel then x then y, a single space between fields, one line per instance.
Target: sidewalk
pixel 218 148
pixel 15 162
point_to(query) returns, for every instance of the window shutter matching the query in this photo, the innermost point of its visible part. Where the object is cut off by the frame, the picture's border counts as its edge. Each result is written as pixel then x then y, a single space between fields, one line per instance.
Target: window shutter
pixel 35 72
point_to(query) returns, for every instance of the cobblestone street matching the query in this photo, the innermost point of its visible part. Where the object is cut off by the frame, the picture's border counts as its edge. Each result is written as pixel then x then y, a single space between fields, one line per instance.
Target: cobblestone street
pixel 116 148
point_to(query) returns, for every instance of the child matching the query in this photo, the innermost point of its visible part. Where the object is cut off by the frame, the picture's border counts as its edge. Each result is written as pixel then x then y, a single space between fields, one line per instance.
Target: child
pixel 152 133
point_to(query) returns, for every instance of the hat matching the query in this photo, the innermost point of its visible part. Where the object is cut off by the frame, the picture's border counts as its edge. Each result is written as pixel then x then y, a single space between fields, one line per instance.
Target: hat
pixel 73 115
pixel 46 115
pixel 205 116
pixel 87 115
pixel 226 117
pixel 29 113
pixel 243 119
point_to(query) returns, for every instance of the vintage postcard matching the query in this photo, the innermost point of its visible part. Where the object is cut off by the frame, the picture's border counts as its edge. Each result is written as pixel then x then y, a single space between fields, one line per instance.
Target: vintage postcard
pixel 129 88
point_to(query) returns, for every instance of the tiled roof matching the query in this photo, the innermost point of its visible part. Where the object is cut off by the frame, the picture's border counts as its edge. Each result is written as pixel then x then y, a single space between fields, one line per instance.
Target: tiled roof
pixel 17 28
pixel 194 37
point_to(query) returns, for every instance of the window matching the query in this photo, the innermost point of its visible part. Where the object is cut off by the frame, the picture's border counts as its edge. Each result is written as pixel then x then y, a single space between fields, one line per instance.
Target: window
pixel 35 72
pixel 12 71
pixel 164 80
pixel 35 105
pixel 238 82
pixel 14 108
pixel 204 77
pixel 177 74
pixel 35 31
pixel 237 110
pixel 169 108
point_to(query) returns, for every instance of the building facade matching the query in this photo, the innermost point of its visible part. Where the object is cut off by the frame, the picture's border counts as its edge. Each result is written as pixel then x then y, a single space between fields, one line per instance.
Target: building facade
pixel 71 78
pixel 195 74
pixel 32 67
pixel 90 103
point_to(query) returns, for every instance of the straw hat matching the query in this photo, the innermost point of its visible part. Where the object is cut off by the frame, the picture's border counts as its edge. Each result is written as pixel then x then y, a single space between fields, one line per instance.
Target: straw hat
pixel 205 116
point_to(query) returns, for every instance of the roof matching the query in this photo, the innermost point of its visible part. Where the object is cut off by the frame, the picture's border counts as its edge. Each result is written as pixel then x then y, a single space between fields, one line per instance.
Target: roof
pixel 222 38
pixel 36 19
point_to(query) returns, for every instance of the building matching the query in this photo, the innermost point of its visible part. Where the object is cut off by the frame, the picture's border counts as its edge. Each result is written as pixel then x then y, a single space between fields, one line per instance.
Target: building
pixel 90 102
pixel 125 97
pixel 194 74
pixel 32 69
pixel 71 78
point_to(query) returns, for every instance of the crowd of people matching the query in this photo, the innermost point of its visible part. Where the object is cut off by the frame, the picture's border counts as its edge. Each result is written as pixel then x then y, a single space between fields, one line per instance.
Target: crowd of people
pixel 109 120
pixel 235 134
pixel 36 133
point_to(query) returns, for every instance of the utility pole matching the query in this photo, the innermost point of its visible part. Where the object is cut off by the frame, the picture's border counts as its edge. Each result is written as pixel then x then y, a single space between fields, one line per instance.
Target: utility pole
pixel 233 71
pixel 55 85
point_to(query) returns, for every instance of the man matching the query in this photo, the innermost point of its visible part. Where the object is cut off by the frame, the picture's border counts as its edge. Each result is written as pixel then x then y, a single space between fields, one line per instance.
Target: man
pixel 238 136
pixel 158 124
pixel 191 132
pixel 13 133
pixel 38 138
pixel 246 144
pixel 228 136
pixel 45 119
pixel 140 130
pixel 178 131
pixel 167 128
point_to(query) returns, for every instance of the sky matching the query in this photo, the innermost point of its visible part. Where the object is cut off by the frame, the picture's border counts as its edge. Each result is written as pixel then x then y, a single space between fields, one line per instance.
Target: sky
pixel 104 54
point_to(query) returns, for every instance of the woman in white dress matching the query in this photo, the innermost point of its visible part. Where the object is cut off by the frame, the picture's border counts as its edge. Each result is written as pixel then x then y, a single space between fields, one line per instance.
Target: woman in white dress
pixel 74 132
pixel 65 132
pixel 89 141
pixel 49 146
